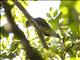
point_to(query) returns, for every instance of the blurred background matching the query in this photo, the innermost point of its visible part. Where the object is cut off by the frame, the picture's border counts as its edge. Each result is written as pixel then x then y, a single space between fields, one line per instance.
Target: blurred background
pixel 62 16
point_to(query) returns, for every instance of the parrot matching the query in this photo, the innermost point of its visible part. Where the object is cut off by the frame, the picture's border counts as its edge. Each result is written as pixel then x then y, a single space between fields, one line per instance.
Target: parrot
pixel 43 26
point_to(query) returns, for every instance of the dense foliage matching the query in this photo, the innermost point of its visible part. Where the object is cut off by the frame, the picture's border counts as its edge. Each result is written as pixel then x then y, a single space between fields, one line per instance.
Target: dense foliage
pixel 65 22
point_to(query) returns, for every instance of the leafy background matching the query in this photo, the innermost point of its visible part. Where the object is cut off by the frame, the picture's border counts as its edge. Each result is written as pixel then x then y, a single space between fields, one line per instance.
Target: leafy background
pixel 65 21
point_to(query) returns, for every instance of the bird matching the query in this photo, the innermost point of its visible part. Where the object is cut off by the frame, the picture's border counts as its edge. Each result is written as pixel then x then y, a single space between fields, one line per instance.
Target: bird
pixel 43 26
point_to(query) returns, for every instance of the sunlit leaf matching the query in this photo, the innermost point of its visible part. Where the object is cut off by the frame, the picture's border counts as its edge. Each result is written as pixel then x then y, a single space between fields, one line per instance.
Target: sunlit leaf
pixel 55 13
pixel 77 6
pixel 51 11
pixel 48 15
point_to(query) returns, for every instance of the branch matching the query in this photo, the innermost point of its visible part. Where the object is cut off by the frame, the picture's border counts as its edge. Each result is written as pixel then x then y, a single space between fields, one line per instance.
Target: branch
pixel 29 17
pixel 31 53
pixel 68 48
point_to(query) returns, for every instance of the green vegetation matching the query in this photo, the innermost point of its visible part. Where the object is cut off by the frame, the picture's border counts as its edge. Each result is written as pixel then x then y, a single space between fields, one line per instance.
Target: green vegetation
pixel 65 21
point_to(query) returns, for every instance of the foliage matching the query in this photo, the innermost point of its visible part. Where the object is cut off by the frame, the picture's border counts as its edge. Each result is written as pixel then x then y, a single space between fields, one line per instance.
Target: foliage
pixel 65 21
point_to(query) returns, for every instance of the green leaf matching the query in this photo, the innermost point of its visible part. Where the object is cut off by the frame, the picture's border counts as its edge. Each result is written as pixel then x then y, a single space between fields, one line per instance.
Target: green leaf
pixel 48 15
pixel 55 13
pixel 51 12
pixel 3 32
pixel 14 46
